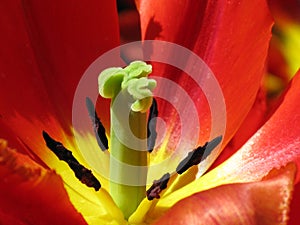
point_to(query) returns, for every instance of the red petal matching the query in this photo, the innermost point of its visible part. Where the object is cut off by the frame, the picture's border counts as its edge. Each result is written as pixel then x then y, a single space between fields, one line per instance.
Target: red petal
pixel 22 87
pixel 274 145
pixel 254 120
pixel 129 21
pixel 264 202
pixel 45 48
pixel 227 35
pixel 10 136
pixel 295 205
pixel 30 194
pixel 7 219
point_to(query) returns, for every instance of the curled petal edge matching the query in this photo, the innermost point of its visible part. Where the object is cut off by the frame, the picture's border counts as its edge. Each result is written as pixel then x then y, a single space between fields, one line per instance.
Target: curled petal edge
pixel 263 202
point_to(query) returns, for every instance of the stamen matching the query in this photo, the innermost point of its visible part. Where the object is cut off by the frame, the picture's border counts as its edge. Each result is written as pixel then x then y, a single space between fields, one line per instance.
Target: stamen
pixel 197 155
pixel 151 127
pixel 157 187
pixel 83 174
pixel 99 129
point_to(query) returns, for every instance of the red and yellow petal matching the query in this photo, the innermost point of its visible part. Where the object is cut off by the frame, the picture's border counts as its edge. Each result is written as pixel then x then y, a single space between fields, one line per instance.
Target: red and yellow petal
pixel 30 194
pixel 227 36
pixel 265 202
pixel 274 145
pixel 45 48
pixel 96 207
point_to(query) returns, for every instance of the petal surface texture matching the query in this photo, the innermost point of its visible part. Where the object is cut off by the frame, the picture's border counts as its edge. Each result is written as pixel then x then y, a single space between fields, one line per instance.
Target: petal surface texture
pixel 265 202
pixel 227 37
pixel 272 146
pixel 45 49
pixel 30 194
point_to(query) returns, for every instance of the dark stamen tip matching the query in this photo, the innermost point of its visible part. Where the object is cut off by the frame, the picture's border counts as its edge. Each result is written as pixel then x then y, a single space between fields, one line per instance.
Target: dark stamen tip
pixel 50 142
pixel 45 134
pixel 89 104
pixel 83 174
pixel 47 137
pixel 211 145
pixel 157 187
pixel 198 155
pixel 99 129
pixel 154 108
pixel 151 126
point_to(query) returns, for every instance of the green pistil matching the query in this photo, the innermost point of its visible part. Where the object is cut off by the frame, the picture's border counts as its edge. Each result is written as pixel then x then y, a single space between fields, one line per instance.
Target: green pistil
pixel 131 94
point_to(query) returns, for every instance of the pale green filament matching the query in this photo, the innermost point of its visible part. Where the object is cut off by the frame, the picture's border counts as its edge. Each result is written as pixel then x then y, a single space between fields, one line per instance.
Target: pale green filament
pixel 131 94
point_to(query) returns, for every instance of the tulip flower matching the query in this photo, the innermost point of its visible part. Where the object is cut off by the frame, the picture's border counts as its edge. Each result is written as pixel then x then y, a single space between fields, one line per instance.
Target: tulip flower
pixel 47 46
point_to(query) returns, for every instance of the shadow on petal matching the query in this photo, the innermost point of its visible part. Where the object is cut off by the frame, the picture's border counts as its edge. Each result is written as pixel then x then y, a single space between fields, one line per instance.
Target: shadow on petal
pixel 226 36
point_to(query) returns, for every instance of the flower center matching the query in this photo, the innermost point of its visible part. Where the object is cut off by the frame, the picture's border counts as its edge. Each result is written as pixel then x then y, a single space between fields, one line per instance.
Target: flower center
pixel 132 138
